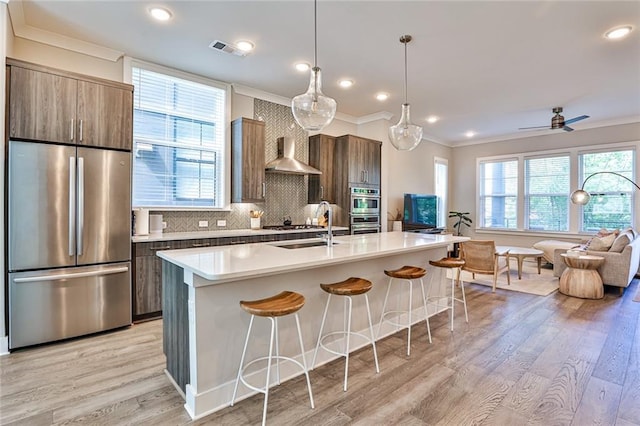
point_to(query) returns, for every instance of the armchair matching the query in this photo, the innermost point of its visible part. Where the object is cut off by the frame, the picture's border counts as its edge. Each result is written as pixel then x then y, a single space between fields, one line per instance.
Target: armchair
pixel 480 257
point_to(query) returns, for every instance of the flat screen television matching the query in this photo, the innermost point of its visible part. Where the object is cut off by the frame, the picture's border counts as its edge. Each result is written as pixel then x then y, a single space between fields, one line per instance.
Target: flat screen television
pixel 420 212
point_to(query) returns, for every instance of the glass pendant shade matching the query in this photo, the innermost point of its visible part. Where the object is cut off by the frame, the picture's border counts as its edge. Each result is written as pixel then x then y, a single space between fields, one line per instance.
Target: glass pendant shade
pixel 313 110
pixel 580 196
pixel 405 136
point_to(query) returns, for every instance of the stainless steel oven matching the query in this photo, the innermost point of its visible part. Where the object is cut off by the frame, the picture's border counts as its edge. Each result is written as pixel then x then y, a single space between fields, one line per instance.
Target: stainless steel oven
pixel 365 201
pixel 365 224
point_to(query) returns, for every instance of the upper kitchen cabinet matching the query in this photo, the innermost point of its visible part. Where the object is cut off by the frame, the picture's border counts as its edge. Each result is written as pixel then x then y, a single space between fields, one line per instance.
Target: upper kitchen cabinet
pixel 360 159
pixel 321 156
pixel 56 106
pixel 247 161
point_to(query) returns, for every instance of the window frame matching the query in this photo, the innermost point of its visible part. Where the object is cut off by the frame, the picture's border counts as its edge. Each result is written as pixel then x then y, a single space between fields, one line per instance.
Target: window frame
pixel 225 173
pixel 479 182
pixel 444 198
pixel 527 196
pixel 574 210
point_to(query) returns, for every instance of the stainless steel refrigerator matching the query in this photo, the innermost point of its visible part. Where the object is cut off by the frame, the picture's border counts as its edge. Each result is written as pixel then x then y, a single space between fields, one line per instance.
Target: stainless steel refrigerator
pixel 69 244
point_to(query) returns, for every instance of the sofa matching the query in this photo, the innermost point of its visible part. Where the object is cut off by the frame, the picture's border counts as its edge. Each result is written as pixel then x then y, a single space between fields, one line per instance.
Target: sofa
pixel 621 260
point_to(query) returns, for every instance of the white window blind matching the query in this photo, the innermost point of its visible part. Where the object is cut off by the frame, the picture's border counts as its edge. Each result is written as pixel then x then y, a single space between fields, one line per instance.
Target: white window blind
pixel 498 194
pixel 178 141
pixel 547 191
pixel 611 205
pixel 441 172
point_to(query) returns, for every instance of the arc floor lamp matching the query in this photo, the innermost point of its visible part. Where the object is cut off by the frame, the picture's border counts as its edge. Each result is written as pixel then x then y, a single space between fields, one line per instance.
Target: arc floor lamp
pixel 582 197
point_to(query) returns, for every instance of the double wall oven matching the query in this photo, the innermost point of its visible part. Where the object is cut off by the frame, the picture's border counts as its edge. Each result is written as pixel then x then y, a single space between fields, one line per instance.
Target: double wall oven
pixel 364 210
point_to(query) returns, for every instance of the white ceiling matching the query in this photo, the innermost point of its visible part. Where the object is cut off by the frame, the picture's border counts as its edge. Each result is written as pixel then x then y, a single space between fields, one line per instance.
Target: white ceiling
pixel 490 67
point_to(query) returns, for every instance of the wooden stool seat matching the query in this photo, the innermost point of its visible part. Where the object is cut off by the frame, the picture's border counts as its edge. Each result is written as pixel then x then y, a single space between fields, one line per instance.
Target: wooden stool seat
pixel 281 304
pixel 407 273
pixel 447 262
pixel 349 287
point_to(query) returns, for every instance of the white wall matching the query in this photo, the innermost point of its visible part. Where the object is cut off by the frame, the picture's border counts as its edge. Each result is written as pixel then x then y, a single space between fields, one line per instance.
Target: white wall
pixel 463 189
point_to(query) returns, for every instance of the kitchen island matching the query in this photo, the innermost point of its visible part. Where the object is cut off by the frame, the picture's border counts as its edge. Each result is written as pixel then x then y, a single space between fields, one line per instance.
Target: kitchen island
pixel 204 327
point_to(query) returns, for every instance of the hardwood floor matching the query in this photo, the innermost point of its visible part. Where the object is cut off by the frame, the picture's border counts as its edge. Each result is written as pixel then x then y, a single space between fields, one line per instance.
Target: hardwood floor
pixel 522 359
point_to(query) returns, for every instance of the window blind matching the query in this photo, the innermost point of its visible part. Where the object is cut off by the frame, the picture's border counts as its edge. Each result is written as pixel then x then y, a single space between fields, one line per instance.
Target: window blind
pixel 178 142
pixel 498 194
pixel 611 204
pixel 547 189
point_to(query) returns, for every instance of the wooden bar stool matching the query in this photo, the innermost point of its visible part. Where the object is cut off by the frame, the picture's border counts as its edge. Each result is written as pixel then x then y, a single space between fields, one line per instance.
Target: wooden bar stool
pixel 457 264
pixel 407 274
pixel 285 303
pixel 347 288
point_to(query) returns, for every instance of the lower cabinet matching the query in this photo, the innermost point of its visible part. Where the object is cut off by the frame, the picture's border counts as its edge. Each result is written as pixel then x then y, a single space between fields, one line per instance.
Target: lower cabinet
pixel 147 279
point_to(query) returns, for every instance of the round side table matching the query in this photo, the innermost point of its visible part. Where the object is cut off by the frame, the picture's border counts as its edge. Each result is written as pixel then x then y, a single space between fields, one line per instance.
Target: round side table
pixel 581 278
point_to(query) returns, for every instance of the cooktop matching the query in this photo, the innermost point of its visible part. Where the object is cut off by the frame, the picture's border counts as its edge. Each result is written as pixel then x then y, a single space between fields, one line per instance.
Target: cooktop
pixel 291 227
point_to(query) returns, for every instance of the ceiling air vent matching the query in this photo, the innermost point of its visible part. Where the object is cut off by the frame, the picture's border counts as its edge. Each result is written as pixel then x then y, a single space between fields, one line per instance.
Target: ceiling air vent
pixel 226 48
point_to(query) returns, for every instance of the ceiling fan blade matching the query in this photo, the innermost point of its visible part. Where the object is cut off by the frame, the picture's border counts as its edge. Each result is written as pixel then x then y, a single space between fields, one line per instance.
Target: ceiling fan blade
pixel 573 120
pixel 535 127
pixel 567 129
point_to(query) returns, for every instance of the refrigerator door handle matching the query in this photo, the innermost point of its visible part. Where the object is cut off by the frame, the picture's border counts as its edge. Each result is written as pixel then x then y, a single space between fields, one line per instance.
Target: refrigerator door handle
pixel 72 130
pixel 80 204
pixel 56 277
pixel 72 208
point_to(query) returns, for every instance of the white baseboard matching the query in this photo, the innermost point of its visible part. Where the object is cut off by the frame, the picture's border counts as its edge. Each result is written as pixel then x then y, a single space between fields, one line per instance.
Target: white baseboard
pixel 4 345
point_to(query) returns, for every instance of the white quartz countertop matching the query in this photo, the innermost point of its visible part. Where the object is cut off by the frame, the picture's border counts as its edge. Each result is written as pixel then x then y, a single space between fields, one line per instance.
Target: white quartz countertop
pixel 234 262
pixel 176 236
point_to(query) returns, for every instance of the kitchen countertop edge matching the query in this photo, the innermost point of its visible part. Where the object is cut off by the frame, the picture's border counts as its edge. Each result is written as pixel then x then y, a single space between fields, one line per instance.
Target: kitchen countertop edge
pixel 194 235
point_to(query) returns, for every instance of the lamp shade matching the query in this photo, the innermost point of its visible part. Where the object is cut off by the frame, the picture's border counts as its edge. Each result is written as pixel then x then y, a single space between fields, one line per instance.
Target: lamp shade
pixel 580 196
pixel 405 136
pixel 313 110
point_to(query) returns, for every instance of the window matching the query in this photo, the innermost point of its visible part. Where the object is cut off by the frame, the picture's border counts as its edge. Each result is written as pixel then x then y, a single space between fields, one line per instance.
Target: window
pixel 441 178
pixel 547 191
pixel 498 194
pixel 611 204
pixel 179 142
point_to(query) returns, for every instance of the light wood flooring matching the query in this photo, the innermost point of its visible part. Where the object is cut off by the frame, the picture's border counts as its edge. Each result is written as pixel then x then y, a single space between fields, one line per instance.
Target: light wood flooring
pixel 522 359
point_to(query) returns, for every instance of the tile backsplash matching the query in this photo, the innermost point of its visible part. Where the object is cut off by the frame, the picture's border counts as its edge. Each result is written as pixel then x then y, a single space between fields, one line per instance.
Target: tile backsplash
pixel 286 195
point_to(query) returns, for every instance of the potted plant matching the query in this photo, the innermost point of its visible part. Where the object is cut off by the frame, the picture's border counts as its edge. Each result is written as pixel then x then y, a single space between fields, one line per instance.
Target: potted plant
pixel 396 220
pixel 462 219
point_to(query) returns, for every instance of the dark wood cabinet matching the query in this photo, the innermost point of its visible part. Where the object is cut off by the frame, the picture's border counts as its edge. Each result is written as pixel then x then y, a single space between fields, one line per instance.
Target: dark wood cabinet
pixel 55 106
pixel 321 156
pixel 361 159
pixel 247 161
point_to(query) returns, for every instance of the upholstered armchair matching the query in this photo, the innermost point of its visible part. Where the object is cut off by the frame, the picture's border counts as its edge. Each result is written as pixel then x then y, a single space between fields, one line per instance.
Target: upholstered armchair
pixel 481 257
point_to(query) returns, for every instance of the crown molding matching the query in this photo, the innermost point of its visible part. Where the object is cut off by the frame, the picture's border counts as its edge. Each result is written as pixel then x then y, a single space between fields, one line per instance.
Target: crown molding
pixel 23 30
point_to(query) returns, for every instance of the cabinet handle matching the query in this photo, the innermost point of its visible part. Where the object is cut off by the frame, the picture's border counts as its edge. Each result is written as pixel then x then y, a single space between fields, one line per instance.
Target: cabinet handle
pixel 200 245
pixel 366 176
pixel 72 130
pixel 321 192
pixel 80 135
pixel 238 242
pixel 264 189
pixel 161 248
pixel 362 176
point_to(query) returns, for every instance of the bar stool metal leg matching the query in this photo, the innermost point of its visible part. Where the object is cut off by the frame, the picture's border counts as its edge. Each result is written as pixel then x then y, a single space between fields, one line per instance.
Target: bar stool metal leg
pixel 373 343
pixel 324 317
pixel 266 390
pixel 426 312
pixel 304 361
pixel 348 335
pixel 409 320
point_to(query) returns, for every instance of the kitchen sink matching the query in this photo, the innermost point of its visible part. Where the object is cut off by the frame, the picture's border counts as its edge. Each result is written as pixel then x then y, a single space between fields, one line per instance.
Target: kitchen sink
pixel 304 244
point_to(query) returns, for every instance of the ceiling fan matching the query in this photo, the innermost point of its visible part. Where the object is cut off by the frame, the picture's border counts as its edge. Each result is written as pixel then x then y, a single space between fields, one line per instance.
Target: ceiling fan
pixel 558 121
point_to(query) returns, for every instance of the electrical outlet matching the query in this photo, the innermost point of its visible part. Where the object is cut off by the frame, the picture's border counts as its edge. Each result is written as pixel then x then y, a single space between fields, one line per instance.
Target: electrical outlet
pixel 221 223
pixel 203 224
pixel 164 225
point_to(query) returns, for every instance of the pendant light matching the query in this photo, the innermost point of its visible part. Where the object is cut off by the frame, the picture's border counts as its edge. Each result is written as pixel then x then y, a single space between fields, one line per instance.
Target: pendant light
pixel 313 110
pixel 405 136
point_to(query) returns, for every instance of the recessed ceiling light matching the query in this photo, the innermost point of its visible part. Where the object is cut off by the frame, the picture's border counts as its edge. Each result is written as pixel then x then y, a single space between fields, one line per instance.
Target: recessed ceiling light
pixel 160 13
pixel 618 32
pixel 470 134
pixel 245 46
pixel 382 96
pixel 432 119
pixel 303 66
pixel 345 83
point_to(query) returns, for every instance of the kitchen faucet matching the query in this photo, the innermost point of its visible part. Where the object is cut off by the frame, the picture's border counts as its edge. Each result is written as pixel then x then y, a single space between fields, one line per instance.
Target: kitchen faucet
pixel 329 221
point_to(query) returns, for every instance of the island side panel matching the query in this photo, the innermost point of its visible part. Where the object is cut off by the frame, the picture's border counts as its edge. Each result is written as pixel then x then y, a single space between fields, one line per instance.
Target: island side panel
pixel 220 323
pixel 175 324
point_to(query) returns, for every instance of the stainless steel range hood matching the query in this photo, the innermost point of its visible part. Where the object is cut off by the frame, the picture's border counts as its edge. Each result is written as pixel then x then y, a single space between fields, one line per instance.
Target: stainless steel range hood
pixel 286 163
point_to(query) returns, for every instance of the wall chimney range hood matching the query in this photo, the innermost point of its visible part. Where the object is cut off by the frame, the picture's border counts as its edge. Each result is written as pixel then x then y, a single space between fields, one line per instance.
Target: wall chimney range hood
pixel 286 163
